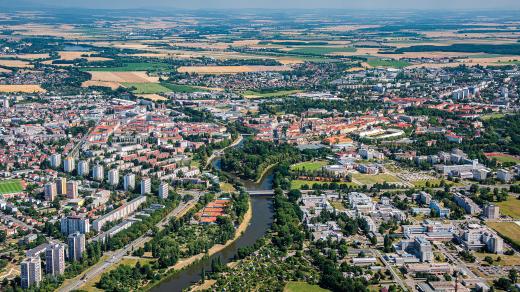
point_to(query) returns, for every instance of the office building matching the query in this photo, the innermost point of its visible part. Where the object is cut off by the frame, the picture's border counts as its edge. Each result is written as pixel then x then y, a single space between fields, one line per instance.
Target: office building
pixel 419 246
pixel 164 190
pixel 61 186
pixel 83 168
pixel 72 189
pixel 72 224
pixel 50 191
pixel 55 160
pixel 113 177
pixel 146 186
pixel 129 182
pixel 30 272
pixel 120 213
pixel 477 237
pixel 55 259
pixel 69 164
pixel 76 243
pixel 98 173
pixel 492 211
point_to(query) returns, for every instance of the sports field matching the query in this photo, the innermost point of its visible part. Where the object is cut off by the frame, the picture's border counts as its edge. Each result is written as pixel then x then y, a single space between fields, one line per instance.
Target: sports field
pixel 309 165
pixel 302 287
pixel 10 186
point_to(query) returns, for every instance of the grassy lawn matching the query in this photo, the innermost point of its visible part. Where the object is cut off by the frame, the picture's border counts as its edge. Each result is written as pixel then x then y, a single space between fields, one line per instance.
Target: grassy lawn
pixel 227 187
pixel 138 66
pixel 511 207
pixel 147 88
pixel 338 205
pixel 302 287
pixel 281 93
pixel 370 179
pixel 297 184
pixel 505 260
pixel 90 285
pixel 422 183
pixel 508 230
pixel 309 165
pixel 388 63
pixel 492 116
pixel 318 51
pixel 10 186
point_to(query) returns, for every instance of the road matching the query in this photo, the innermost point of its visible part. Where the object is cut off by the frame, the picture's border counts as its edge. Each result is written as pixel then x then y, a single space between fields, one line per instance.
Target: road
pixel 11 218
pixel 460 264
pixel 118 255
pixel 397 279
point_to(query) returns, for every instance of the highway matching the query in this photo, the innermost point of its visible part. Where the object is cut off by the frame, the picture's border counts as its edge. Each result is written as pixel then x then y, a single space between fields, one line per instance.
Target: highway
pixel 118 255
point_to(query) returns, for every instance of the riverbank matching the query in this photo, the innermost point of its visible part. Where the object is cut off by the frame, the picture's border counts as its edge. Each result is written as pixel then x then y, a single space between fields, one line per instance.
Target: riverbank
pixel 265 172
pixel 218 247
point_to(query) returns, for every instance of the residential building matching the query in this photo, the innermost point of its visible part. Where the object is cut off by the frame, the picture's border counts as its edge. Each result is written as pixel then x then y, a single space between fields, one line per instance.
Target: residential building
pixel 467 204
pixel 146 186
pixel 122 212
pixel 30 272
pixel 50 191
pixel 72 224
pixel 164 190
pixel 55 259
pixel 98 172
pixel 439 210
pixel 55 160
pixel 129 182
pixel 61 186
pixel 72 189
pixel 113 177
pixel 83 168
pixel 76 244
pixel 504 175
pixel 69 164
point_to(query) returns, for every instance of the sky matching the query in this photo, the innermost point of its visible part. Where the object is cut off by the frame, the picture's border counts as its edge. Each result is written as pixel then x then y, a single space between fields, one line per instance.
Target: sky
pixel 288 4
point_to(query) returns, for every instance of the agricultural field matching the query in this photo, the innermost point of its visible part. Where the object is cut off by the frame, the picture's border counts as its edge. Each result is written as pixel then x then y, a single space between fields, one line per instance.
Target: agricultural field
pixel 10 186
pixel 15 63
pixel 320 51
pixel 511 207
pixel 121 77
pixel 302 287
pixel 387 63
pixel 370 179
pixel 230 69
pixel 28 88
pixel 146 88
pixel 309 165
pixel 509 230
pixel 142 66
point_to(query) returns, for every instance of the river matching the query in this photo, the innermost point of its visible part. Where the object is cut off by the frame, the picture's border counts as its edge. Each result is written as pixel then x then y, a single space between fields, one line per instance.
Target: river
pixel 260 223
